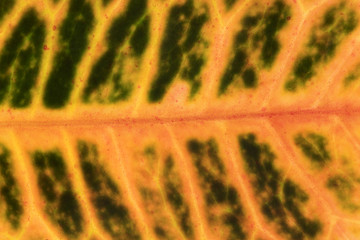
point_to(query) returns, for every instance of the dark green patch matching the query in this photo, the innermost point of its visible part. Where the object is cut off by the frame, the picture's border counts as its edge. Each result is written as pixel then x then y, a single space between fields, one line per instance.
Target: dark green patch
pixel 276 205
pixel 120 28
pixel 194 66
pixel 115 217
pixel 70 219
pixel 238 62
pixel 193 34
pixel 213 153
pixel 303 71
pixel 291 191
pixel 20 60
pixel 140 38
pixel 160 232
pixel 106 2
pixel 169 69
pixel 291 86
pixel 254 154
pixel 99 73
pixel 39 160
pixel 55 186
pixel 179 206
pixel 269 51
pixel 5 7
pixel 221 198
pixel 250 21
pixel 275 19
pixel 241 37
pixel 47 187
pixel 154 197
pixel 9 191
pixel 293 198
pixel 229 3
pixel 171 53
pixel 352 76
pixel 314 147
pixel 259 30
pixel 343 187
pixel 73 41
pixel 182 34
pixel 348 22
pixel 105 195
pixel 249 78
pixel 56 165
pixel 304 68
pixel 233 70
pixel 338 22
pixel 108 69
pixel 121 90
pixel 329 18
pixel 195 87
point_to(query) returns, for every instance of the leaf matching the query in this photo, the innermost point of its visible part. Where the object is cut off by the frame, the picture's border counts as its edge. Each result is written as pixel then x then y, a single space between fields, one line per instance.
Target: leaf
pixel 151 119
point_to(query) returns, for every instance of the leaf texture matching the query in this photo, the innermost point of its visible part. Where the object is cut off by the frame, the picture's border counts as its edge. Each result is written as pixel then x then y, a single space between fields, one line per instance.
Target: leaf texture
pixel 191 119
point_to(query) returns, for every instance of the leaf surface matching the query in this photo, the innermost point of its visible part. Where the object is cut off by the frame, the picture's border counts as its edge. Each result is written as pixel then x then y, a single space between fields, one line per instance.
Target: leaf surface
pixel 151 119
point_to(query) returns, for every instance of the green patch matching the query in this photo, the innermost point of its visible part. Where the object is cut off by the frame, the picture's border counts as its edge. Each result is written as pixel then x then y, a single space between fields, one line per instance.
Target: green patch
pixel 280 198
pixel 132 28
pixel 73 42
pixel 292 191
pixel 105 195
pixel 221 198
pixel 269 51
pixel 20 60
pixel 194 67
pixel 171 53
pixel 229 3
pixel 337 23
pixel 260 162
pixel 250 21
pixel 258 35
pixel 169 69
pixel 106 2
pixel 121 90
pixel 294 196
pixel 5 7
pixel 140 38
pixel 182 40
pixel 275 19
pixel 314 147
pixel 160 188
pixel 173 187
pixel 352 76
pixel 9 190
pixel 120 28
pixel 61 203
pixel 241 37
pixel 193 34
pixel 303 70
pixel 233 70
pixel 343 187
pixel 249 78
pixel 191 71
